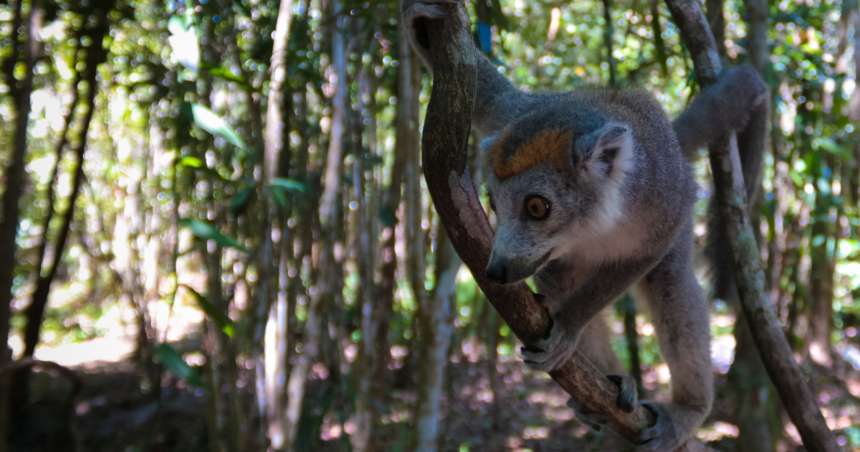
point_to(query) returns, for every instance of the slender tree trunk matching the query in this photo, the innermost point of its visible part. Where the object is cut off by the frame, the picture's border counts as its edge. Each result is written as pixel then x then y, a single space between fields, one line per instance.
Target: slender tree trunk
pixel 363 367
pixel 328 211
pixel 435 325
pixel 276 143
pixel 35 311
pixel 718 25
pixel 383 313
pixel 821 274
pixel 14 175
pixel 748 381
pixel 854 115
pixel 58 151
pixel 492 373
pixel 608 29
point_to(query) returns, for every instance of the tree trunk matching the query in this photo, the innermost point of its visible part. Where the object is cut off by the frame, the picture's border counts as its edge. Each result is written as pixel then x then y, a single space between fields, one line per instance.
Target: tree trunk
pixel 718 25
pixel 748 382
pixel 821 274
pixel 435 325
pixel 406 98
pixel 748 274
pixel 35 311
pixel 276 143
pixel 14 173
pixel 362 371
pixel 328 212
pixel 750 388
pixel 607 42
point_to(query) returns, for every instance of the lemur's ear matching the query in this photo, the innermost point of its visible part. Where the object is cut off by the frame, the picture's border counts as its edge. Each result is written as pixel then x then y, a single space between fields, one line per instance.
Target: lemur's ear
pixel 605 152
pixel 485 145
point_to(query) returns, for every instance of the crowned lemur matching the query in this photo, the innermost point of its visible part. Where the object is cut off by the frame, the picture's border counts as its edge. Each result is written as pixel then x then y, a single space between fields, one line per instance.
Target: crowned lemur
pixel 593 193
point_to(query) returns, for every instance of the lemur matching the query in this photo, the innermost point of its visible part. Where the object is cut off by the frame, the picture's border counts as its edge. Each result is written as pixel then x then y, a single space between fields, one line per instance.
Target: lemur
pixel 593 192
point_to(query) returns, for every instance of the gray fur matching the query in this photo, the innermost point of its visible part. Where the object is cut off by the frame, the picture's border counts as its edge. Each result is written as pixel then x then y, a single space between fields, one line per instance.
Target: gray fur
pixel 620 220
pixel 738 101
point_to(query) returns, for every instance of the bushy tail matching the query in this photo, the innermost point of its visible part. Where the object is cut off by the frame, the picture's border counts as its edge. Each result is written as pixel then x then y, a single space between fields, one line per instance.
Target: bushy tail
pixel 739 101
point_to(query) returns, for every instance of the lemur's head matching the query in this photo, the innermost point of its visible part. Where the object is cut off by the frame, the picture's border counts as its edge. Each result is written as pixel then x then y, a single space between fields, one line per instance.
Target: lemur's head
pixel 555 186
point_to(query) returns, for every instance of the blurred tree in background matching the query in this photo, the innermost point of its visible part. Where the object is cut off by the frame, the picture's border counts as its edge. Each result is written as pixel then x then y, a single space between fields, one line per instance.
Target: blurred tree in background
pixel 213 214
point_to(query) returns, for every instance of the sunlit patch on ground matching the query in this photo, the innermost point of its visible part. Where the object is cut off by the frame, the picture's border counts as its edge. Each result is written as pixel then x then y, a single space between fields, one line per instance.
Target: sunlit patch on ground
pixel 723 352
pixel 89 353
pixel 717 431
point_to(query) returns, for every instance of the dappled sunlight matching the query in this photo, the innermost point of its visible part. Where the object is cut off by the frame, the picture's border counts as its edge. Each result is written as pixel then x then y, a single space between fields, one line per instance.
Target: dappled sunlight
pixel 89 353
pixel 717 431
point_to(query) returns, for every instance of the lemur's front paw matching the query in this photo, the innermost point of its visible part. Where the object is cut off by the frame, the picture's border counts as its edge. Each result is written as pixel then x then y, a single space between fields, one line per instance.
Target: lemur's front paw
pixel 586 416
pixel 550 353
pixel 628 396
pixel 663 435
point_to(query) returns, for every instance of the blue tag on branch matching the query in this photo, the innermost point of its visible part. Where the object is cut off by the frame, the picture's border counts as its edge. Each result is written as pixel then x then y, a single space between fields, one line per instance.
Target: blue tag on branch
pixel 485 37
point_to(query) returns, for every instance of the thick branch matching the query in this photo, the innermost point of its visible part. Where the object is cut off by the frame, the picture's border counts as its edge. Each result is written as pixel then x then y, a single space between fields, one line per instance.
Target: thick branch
pixel 446 135
pixel 748 273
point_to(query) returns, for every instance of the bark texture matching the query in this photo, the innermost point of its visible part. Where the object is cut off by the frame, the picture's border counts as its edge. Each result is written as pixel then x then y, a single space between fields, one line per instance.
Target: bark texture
pixel 747 266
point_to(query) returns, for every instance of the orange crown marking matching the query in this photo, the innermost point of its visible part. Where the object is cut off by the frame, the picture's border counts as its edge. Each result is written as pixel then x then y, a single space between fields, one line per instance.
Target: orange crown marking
pixel 548 146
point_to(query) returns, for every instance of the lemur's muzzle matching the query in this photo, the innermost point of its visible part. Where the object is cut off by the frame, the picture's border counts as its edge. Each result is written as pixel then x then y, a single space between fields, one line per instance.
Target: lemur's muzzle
pixel 497 271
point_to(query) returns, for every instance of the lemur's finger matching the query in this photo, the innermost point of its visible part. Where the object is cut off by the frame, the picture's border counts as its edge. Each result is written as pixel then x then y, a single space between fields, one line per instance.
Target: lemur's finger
pixel 628 397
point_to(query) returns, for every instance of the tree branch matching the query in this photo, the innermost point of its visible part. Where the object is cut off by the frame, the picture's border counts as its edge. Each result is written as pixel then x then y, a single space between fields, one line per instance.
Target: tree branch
pixel 732 203
pixel 446 135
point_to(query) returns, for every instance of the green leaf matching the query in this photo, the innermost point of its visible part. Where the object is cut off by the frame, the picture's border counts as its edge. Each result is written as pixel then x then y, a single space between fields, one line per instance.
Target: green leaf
pixel 208 232
pixel 497 16
pixel 278 198
pixel 225 74
pixel 374 160
pixel 222 321
pixel 173 361
pixel 387 217
pixel 818 240
pixel 240 200
pixel 290 185
pixel 795 176
pixel 193 162
pixel 214 124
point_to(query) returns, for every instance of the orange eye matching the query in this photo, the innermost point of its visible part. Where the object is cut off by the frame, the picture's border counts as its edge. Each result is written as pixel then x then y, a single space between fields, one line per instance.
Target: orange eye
pixel 537 207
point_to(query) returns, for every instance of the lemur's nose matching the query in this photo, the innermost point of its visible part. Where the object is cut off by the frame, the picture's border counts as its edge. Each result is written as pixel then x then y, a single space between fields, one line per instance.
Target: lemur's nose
pixel 497 272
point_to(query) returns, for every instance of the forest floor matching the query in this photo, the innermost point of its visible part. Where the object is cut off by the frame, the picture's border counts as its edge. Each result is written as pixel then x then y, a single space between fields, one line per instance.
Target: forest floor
pixel 116 411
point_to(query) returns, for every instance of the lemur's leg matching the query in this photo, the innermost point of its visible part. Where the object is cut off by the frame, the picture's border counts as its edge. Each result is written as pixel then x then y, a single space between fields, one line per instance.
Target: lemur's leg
pixel 730 104
pixel 680 316
pixel 739 101
pixel 554 282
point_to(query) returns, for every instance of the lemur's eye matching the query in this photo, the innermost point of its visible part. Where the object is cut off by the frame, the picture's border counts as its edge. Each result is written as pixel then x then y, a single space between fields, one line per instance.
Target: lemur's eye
pixel 537 207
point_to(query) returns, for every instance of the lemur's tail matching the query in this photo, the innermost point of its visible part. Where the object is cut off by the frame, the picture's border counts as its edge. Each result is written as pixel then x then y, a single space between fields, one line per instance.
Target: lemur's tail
pixel 739 101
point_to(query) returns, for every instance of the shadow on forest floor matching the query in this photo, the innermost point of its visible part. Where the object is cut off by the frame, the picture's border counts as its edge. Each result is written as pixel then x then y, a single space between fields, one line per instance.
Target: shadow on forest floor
pixel 116 411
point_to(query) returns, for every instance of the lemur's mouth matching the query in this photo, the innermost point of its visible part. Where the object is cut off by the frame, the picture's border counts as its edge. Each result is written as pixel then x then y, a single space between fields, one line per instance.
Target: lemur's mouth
pixel 543 260
pixel 531 269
